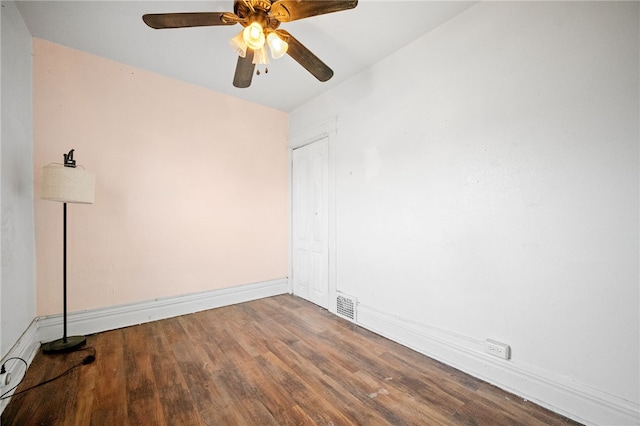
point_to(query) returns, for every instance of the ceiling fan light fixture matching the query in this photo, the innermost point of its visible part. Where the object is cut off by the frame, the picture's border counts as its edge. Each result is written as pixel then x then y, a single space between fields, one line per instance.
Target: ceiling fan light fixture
pixel 261 20
pixel 254 36
pixel 260 56
pixel 277 46
pixel 239 45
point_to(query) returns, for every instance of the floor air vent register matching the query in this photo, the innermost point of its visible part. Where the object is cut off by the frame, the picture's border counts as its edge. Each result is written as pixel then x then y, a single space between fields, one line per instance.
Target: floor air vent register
pixel 346 307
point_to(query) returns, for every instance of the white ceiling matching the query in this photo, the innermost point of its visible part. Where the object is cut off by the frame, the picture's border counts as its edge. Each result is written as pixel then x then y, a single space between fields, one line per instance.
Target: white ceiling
pixel 347 41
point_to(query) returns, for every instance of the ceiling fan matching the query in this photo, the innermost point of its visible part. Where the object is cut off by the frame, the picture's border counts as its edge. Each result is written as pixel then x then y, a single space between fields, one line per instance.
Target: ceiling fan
pixel 260 19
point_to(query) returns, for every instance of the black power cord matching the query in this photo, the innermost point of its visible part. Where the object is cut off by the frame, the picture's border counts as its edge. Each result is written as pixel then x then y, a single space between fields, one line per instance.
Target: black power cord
pixel 85 361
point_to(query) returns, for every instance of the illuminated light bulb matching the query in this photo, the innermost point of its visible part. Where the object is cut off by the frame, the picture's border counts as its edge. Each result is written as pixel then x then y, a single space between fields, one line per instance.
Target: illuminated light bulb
pixel 253 36
pixel 239 45
pixel 260 56
pixel 277 46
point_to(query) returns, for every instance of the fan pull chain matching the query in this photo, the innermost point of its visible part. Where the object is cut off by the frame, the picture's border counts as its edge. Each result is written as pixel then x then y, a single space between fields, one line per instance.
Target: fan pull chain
pixel 266 70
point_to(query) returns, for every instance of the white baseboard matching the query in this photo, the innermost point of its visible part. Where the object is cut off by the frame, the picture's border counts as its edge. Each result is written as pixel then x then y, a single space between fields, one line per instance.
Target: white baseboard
pixel 25 348
pixel 573 400
pixel 113 317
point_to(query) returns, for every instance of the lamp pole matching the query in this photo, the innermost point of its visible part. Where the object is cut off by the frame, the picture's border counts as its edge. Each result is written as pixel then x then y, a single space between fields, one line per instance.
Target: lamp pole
pixel 64 272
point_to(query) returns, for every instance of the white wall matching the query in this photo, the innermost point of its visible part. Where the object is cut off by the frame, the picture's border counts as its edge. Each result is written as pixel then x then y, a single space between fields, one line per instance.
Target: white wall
pixel 18 264
pixel 487 187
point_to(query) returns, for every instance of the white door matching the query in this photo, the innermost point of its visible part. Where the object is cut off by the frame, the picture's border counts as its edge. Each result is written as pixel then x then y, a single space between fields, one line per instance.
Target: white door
pixel 310 230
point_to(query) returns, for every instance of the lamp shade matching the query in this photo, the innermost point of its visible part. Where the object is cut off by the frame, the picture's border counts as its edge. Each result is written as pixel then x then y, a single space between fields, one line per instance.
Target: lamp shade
pixel 67 184
pixel 253 36
pixel 277 46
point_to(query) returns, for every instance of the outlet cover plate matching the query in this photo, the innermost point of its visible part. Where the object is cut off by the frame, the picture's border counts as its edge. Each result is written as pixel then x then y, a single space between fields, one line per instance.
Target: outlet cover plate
pixel 498 349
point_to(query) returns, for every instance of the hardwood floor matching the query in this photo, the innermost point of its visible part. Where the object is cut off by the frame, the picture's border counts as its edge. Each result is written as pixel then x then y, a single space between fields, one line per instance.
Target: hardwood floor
pixel 275 361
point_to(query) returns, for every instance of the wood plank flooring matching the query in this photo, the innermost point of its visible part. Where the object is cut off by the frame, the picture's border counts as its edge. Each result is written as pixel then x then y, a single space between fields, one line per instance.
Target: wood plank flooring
pixel 274 361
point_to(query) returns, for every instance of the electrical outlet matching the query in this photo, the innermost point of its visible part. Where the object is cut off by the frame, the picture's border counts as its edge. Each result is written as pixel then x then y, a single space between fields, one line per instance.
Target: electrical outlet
pixel 501 350
pixel 5 379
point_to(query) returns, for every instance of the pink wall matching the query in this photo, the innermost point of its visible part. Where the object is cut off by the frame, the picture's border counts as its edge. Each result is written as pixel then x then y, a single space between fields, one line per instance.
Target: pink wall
pixel 191 185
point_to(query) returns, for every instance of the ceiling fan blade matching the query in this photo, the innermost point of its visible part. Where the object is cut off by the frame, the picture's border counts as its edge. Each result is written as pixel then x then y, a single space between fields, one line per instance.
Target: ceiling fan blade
pixel 291 10
pixel 195 19
pixel 244 70
pixel 304 57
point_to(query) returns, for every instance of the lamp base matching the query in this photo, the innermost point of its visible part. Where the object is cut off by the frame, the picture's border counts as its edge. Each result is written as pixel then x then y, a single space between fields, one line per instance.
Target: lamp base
pixel 64 345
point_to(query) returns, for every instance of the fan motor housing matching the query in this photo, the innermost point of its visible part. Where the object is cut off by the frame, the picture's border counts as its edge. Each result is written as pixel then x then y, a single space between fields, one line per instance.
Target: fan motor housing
pixel 263 5
pixel 243 9
pixel 259 14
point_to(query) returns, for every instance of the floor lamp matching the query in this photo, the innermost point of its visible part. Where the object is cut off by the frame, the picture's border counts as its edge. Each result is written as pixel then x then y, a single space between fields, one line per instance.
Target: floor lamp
pixel 67 184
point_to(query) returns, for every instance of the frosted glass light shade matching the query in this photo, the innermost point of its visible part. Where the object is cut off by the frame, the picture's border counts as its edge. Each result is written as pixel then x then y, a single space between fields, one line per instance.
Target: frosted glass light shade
pixel 254 36
pixel 239 45
pixel 260 56
pixel 67 184
pixel 277 46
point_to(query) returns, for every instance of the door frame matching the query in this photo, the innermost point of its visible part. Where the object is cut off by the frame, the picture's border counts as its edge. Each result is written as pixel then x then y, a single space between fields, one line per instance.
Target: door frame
pixel 326 129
